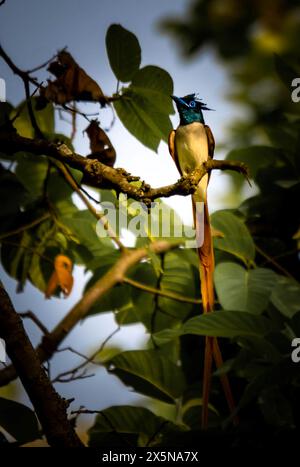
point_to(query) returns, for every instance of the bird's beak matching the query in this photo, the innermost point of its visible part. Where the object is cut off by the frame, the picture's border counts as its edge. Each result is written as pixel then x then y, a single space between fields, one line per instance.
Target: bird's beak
pixel 178 100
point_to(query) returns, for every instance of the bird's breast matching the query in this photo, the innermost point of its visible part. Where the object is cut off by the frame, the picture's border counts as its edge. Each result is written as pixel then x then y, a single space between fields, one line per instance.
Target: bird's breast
pixel 191 146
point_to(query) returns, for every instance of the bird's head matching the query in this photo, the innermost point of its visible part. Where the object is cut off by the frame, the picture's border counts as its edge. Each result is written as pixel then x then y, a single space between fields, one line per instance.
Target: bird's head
pixel 190 108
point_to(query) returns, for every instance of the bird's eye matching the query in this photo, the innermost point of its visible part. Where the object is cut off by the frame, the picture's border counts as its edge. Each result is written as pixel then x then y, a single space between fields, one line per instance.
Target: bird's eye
pixel 192 104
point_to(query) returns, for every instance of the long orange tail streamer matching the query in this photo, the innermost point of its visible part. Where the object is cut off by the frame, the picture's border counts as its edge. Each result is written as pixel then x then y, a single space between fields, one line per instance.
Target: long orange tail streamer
pixel 212 350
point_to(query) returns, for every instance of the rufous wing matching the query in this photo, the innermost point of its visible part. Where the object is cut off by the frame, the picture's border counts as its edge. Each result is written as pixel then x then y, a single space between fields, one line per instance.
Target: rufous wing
pixel 172 149
pixel 211 141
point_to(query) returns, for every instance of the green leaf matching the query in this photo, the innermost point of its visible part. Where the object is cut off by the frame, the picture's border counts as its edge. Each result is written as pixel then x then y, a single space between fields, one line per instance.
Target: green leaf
pixel 222 323
pixel 31 171
pixel 154 78
pixel 146 104
pixel 83 225
pixel 134 124
pixel 129 420
pixel 9 183
pixel 20 264
pixel 163 222
pixel 156 85
pixel 182 278
pixel 191 411
pixel 237 240
pixel 61 240
pixel 142 119
pixel 44 234
pixel 18 420
pixel 126 315
pixel 159 101
pixel 243 290
pixel 65 208
pixel 155 121
pixel 150 373
pixel 179 276
pixel 44 119
pixel 100 264
pixel 144 302
pixel 276 408
pixel 27 260
pixel 124 52
pixel 5 110
pixel 58 188
pixel 286 296
pixel 115 299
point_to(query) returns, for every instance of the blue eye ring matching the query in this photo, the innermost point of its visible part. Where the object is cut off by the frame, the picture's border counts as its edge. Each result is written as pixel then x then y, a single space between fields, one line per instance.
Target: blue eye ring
pixel 192 104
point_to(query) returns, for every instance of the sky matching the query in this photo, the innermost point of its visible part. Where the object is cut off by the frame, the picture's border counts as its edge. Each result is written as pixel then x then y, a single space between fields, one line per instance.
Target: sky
pixel 32 31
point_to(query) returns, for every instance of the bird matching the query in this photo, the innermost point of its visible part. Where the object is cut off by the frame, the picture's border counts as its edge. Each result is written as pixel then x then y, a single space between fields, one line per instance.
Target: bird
pixel 191 145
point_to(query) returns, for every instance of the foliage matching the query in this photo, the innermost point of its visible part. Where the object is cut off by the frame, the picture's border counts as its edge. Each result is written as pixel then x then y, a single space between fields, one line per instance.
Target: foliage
pixel 258 308
pixel 19 421
pixel 245 39
pixel 145 105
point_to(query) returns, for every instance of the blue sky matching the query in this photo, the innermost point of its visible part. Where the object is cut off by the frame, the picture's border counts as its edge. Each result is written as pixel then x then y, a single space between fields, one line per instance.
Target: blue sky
pixel 32 31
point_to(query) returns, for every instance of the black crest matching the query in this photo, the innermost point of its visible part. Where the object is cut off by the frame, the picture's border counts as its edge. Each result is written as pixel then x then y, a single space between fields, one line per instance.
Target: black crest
pixel 194 97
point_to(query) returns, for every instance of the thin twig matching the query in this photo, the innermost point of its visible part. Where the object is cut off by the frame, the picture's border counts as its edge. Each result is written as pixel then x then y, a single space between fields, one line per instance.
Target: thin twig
pixel 114 276
pixel 159 429
pixel 21 107
pixel 162 293
pixel 34 318
pixel 33 120
pixel 75 111
pixel 68 379
pixel 106 418
pixel 71 375
pixel 39 67
pixel 27 79
pixel 74 127
pixel 29 248
pixel 275 263
pixel 25 227
pixel 86 411
pixel 282 255
pixel 97 215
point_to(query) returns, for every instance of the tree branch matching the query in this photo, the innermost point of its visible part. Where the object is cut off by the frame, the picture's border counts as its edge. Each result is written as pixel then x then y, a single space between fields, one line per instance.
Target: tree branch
pixel 101 175
pixel 114 276
pixel 93 211
pixel 30 315
pixel 50 408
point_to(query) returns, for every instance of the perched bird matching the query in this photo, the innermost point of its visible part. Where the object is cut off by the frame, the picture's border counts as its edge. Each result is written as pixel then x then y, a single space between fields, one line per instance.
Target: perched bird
pixel 190 145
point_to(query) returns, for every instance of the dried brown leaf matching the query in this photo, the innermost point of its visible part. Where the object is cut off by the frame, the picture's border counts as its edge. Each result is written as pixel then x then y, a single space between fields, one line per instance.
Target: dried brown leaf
pixel 61 276
pixel 72 83
pixel 100 144
pixel 52 285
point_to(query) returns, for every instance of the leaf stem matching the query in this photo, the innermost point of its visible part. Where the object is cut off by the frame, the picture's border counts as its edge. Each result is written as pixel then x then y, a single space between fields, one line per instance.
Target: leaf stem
pixel 162 293
pixel 25 227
